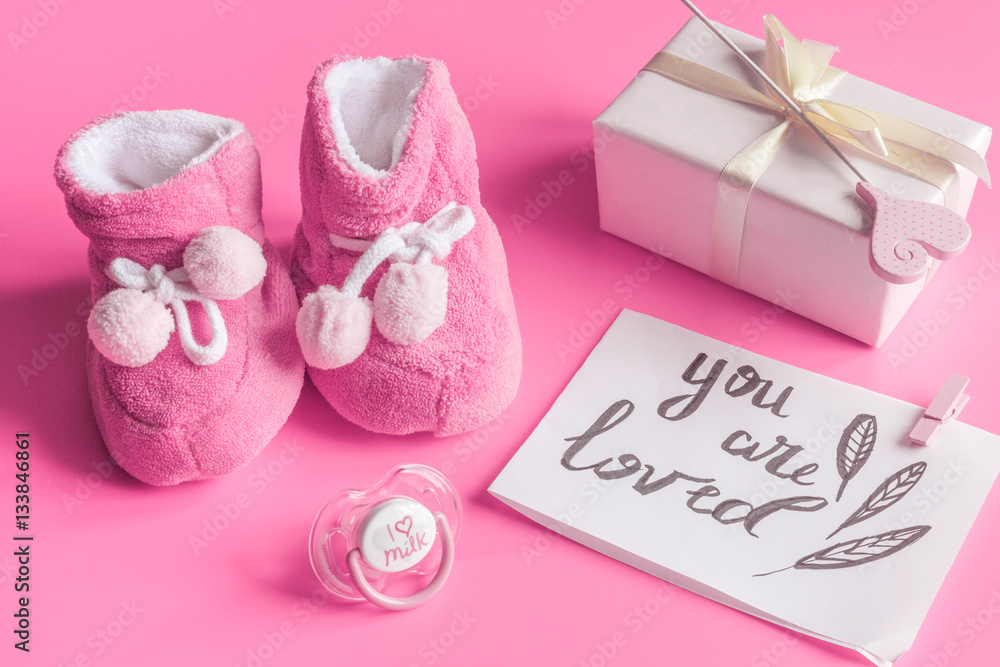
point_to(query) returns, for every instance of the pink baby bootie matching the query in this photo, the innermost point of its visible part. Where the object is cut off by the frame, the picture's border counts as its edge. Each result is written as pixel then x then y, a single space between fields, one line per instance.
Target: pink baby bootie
pixel 407 321
pixel 192 360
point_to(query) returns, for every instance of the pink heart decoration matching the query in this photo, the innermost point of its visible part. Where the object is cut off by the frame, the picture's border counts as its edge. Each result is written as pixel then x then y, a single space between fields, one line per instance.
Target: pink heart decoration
pixel 404 525
pixel 906 234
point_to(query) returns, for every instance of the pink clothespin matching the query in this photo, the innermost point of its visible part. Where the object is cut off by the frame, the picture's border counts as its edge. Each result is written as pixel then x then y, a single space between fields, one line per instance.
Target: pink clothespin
pixel 946 406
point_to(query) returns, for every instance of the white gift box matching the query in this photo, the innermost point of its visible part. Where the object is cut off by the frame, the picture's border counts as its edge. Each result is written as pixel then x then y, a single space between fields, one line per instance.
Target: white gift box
pixel 661 147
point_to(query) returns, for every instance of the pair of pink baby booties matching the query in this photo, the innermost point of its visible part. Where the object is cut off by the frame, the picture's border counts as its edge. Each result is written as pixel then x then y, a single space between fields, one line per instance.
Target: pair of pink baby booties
pixel 398 295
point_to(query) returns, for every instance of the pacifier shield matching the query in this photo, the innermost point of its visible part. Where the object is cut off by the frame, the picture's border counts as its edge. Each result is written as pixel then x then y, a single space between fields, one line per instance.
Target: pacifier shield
pixel 401 530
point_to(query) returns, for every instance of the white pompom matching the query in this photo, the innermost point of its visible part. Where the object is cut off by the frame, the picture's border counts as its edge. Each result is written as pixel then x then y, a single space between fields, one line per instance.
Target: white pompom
pixel 130 327
pixel 333 328
pixel 224 263
pixel 411 301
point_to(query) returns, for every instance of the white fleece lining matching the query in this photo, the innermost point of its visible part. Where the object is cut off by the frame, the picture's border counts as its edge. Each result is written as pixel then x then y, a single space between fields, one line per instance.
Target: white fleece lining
pixel 371 107
pixel 143 148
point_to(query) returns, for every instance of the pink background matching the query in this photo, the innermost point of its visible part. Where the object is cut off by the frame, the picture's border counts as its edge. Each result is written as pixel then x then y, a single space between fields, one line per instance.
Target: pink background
pixel 115 580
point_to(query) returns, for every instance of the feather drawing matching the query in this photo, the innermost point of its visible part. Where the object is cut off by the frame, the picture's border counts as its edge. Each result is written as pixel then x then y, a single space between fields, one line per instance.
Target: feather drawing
pixel 889 492
pixel 858 552
pixel 854 449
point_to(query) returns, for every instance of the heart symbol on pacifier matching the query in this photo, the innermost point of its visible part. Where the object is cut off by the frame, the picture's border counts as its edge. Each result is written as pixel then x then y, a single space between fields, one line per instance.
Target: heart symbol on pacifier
pixel 404 525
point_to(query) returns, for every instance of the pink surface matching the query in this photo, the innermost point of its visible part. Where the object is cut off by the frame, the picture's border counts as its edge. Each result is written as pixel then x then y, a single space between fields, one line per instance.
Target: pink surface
pixel 125 574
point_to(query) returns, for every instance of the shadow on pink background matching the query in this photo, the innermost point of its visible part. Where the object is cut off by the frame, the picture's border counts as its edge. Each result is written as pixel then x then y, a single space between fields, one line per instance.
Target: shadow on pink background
pixel 216 573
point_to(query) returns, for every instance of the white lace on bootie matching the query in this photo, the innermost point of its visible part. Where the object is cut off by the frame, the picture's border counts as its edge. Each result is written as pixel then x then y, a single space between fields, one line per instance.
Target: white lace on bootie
pixel 131 325
pixel 411 299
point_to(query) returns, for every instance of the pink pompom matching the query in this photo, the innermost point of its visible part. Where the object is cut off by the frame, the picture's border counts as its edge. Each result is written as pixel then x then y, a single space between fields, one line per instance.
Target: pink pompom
pixel 130 327
pixel 224 263
pixel 411 301
pixel 333 328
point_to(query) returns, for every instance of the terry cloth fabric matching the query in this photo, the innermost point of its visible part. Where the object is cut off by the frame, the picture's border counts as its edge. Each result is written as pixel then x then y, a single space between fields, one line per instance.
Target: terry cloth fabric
pixel 385 144
pixel 142 186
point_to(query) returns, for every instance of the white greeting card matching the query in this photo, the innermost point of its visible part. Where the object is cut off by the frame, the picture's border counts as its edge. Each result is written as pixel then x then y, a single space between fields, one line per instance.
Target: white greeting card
pixel 779 492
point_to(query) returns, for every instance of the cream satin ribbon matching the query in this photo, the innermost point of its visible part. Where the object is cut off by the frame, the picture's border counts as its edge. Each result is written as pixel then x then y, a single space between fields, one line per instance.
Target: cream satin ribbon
pixel 803 71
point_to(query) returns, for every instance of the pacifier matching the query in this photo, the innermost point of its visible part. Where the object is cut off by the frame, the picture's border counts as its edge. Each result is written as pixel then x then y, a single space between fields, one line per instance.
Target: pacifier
pixel 395 533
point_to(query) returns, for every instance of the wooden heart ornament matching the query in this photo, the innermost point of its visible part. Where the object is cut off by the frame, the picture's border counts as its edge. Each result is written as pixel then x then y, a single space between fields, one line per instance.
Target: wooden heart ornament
pixel 906 234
